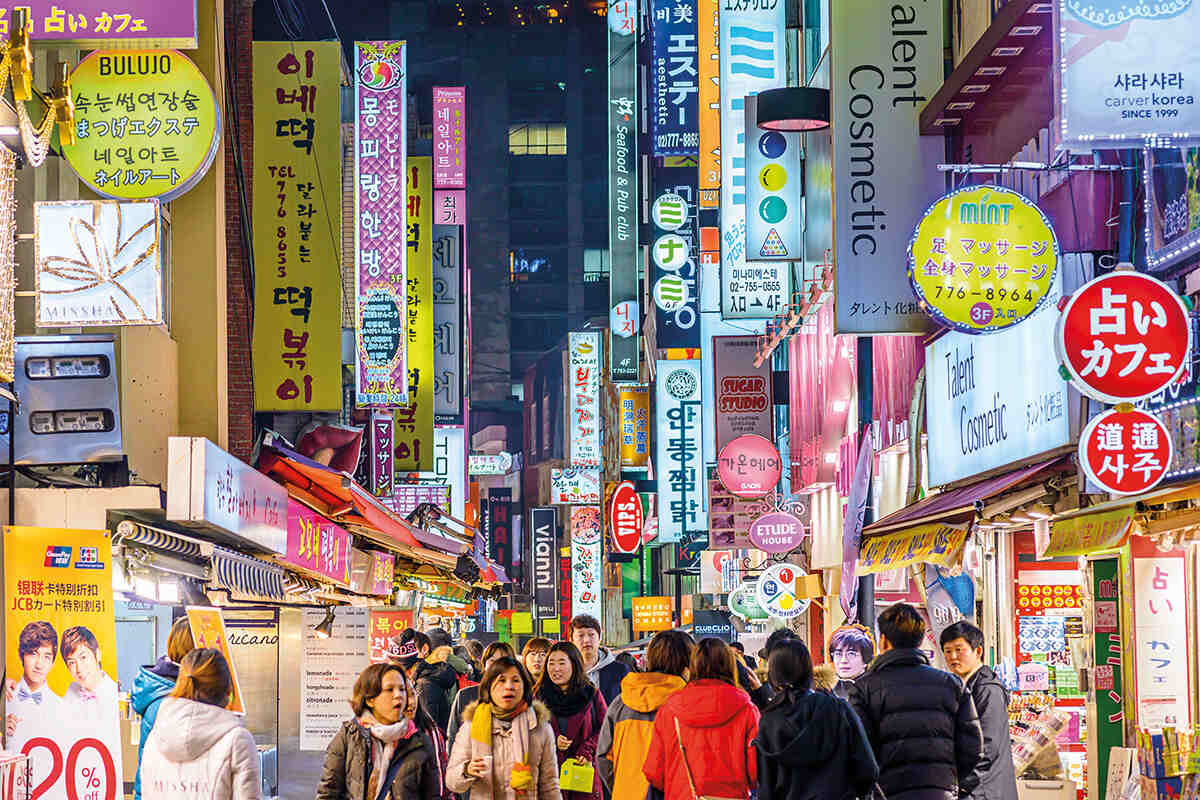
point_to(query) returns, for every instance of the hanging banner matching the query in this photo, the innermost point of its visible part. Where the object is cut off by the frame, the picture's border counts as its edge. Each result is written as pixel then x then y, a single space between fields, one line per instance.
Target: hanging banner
pixel 675 254
pixel 635 425
pixel 448 327
pixel 708 29
pixel 587 571
pixel 297 347
pixel 1088 533
pixel 752 60
pixel 450 137
pixel 545 562
pixel 624 259
pixel 678 462
pixel 62 658
pixel 674 126
pixel 852 525
pixel 1162 657
pixel 1172 230
pixel 316 545
pixel 931 544
pixel 380 257
pixel 583 398
pixel 1125 452
pixel 414 421
pixel 1126 75
pixel 774 194
pixel 744 393
pixel 500 506
pixel 884 171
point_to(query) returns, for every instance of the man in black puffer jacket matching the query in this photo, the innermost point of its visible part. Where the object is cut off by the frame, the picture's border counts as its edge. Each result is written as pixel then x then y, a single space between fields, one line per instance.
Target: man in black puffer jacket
pixel 921 721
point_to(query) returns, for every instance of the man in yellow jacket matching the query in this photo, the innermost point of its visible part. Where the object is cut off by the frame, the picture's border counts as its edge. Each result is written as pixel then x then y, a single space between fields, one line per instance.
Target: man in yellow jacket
pixel 625 734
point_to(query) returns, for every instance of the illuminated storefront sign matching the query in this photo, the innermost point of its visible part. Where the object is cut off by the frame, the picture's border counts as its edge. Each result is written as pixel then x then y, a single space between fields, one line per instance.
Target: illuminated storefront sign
pixel 414 420
pixel 674 127
pixel 94 23
pixel 450 137
pixel 635 425
pixel 679 462
pixel 583 398
pixel 1125 452
pixel 587 576
pixel 624 260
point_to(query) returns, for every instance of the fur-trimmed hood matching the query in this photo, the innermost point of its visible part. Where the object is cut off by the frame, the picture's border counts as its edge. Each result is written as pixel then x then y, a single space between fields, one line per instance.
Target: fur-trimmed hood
pixel 543 713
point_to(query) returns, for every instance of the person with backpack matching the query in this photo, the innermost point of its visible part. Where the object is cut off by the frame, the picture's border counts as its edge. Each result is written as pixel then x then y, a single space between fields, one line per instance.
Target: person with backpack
pixel 155 683
pixel 577 710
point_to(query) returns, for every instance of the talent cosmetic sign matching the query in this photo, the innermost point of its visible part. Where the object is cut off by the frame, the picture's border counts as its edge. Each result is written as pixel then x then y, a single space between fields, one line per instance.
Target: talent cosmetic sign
pixel 996 399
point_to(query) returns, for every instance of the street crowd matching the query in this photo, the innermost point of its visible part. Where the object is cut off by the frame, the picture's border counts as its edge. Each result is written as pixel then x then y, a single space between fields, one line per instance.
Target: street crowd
pixel 568 720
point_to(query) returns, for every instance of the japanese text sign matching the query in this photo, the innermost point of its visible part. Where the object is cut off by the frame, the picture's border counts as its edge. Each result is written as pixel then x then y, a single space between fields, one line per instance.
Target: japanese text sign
pixel 317 545
pixel 450 137
pixel 673 83
pixel 625 518
pixel 708 77
pixel 653 614
pixel 679 461
pixel 635 425
pixel 625 263
pixel 486 464
pixel 744 392
pixel 982 259
pixel 448 323
pixel 1125 452
pixel 92 23
pixel 675 254
pixel 383 625
pixel 383 457
pixel 750 466
pixel 297 348
pixel 1088 533
pixel 930 544
pixel 1124 337
pixel 146 124
pixel 587 571
pixel 574 486
pixel 774 195
pixel 583 398
pixel 380 151
pixel 414 420
pixel 1160 633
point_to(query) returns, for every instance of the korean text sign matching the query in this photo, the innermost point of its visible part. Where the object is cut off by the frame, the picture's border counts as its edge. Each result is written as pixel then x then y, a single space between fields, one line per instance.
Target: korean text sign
pixel 1125 452
pixel 635 425
pixel 1161 652
pixel 448 324
pixel 587 571
pixel 624 349
pixel 317 545
pixel 380 152
pixel 64 711
pixel 87 23
pixel 414 420
pixel 673 78
pixel 583 397
pixel 384 623
pixel 450 137
pixel 297 226
pixel 679 461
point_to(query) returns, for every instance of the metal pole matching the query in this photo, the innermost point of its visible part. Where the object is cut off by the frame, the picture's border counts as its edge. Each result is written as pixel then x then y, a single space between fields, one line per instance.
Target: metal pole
pixel 866 413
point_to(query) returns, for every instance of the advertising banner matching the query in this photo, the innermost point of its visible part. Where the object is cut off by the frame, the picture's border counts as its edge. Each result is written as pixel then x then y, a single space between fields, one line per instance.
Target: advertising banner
pixel 583 398
pixel 500 506
pixel 676 257
pixel 61 652
pixel 884 171
pixel 635 425
pixel 564 589
pixel 652 614
pixel 574 486
pixel 774 193
pixel 624 259
pixel 587 571
pixel 208 631
pixel 678 459
pixel 383 624
pixel 316 545
pixel 1125 73
pixel 753 59
pixel 744 392
pixel 448 326
pixel 380 257
pixel 92 23
pixel 408 496
pixel 674 126
pixel 1160 635
pixel 450 137
pixel 328 669
pixel 545 562
pixel 414 420
pixel 708 42
pixel 1088 533
pixel 931 544
pixel 297 295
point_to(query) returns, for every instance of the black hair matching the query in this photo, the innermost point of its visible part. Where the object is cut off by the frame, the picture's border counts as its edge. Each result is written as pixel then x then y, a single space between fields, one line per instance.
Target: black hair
pixel 790 666
pixel 902 625
pixel 962 630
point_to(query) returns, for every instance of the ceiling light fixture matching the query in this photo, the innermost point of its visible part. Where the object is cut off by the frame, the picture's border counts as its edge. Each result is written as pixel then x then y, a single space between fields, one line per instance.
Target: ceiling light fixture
pixel 793 108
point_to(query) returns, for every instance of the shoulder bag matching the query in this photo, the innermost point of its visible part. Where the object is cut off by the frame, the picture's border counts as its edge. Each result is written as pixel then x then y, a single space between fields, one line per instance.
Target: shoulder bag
pixel 688 770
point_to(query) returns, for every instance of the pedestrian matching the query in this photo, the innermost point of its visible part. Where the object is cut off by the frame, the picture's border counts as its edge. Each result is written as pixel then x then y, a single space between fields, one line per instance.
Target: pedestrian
pixel 475 648
pixel 505 748
pixel 962 645
pixel 577 710
pixel 437 737
pixel 811 746
pixel 703 740
pixel 436 680
pixel 533 656
pixel 625 736
pixel 921 722
pixel 468 658
pixel 602 668
pixel 851 648
pixel 197 750
pixel 380 753
pixel 154 683
pixel 442 649
pixel 493 652
pixel 629 660
pixel 740 649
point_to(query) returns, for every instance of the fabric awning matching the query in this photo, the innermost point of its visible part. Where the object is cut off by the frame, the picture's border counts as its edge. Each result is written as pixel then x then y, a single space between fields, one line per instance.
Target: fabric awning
pixel 1092 531
pixel 936 543
pixel 130 532
pixel 247 578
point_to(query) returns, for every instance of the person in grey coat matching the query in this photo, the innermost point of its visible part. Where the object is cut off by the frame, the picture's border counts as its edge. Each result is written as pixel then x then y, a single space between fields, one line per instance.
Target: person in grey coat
pixel 962 645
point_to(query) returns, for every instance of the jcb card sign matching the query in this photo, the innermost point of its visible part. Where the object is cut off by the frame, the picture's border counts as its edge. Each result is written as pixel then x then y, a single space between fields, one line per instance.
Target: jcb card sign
pixel 62 663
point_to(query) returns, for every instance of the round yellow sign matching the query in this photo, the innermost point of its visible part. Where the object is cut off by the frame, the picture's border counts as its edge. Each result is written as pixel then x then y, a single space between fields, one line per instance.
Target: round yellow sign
pixel 982 259
pixel 146 124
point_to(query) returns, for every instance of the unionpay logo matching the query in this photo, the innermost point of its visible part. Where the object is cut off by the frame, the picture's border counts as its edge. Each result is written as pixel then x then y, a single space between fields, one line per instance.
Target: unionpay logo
pixel 58 557
pixel 89 558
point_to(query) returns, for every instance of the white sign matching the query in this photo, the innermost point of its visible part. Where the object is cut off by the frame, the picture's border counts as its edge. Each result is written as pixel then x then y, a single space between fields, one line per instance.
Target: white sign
pixel 207 487
pixel 587 571
pixel 450 465
pixel 777 591
pixel 774 194
pixel 670 211
pixel 583 398
pixel 752 60
pixel 721 570
pixel 328 670
pixel 884 172
pixel 1161 642
pixel 671 293
pixel 574 486
pixel 995 400
pixel 485 464
pixel 679 461
pixel 447 323
pixel 99 262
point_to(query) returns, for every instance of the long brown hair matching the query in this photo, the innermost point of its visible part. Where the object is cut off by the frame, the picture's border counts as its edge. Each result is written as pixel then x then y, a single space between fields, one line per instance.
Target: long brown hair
pixel 204 676
pixel 180 642
pixel 370 685
pixel 713 660
pixel 579 678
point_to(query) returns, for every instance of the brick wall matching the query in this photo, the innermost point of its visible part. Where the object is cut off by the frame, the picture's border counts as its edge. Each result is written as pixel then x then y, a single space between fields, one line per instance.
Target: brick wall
pixel 238 35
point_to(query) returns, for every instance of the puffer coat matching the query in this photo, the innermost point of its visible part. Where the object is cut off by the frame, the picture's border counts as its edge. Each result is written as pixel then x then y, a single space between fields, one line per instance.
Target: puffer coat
pixel 413 773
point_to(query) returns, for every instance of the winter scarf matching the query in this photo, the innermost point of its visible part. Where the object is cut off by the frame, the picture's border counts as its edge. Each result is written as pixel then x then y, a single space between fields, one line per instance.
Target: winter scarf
pixel 384 739
pixel 481 732
pixel 565 704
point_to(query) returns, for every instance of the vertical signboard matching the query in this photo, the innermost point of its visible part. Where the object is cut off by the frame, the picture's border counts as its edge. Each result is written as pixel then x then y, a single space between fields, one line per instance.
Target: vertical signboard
pixel 774 193
pixel 450 465
pixel 587 571
pixel 708 42
pixel 564 587
pixel 448 331
pixel 674 128
pixel 380 149
pixel 583 398
pixel 744 393
pixel 676 257
pixel 545 562
pixel 450 137
pixel 329 667
pixel 1160 638
pixel 383 454
pixel 1108 675
pixel 884 172
pixel 297 343
pixel 679 462
pixel 414 420
pixel 752 60
pixel 501 532
pixel 635 426
pixel 624 260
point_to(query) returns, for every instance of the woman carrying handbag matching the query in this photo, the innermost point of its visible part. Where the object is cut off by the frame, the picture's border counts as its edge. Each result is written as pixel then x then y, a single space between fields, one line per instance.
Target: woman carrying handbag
pixel 577 710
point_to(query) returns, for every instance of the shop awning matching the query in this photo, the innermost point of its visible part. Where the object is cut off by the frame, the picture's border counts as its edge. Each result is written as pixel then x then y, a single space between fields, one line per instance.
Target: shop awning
pixel 1091 531
pixel 936 543
pixel 247 578
pixel 130 532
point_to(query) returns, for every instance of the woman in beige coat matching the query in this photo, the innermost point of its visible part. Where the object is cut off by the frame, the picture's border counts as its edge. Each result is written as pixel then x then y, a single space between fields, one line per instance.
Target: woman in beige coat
pixel 504 749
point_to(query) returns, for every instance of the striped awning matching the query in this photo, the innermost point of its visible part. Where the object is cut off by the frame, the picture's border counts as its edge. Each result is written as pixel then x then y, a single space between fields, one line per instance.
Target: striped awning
pixel 246 577
pixel 130 532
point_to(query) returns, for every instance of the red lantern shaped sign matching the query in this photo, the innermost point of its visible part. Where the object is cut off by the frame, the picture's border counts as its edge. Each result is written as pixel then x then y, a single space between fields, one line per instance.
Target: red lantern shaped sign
pixel 1123 337
pixel 625 518
pixel 749 467
pixel 1125 452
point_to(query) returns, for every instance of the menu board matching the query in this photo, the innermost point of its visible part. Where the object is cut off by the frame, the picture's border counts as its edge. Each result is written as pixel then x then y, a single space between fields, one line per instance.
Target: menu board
pixel 328 669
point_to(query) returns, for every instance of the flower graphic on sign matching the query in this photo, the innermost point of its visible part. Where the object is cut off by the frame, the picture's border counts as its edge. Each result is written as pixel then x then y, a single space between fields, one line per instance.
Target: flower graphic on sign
pixel 379 70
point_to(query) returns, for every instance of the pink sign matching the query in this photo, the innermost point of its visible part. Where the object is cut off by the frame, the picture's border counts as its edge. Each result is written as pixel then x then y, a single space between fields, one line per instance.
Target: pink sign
pixel 821 369
pixel 380 206
pixel 317 545
pixel 140 23
pixel 777 532
pixel 450 137
pixel 383 573
pixel 750 466
pixel 449 207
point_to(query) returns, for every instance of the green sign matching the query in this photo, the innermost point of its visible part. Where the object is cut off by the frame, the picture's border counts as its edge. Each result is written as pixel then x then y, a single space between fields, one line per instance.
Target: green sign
pixel 1106 675
pixel 743 602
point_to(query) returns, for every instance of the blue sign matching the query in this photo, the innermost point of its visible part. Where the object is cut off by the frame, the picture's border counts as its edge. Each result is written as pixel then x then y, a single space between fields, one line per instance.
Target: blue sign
pixel 674 62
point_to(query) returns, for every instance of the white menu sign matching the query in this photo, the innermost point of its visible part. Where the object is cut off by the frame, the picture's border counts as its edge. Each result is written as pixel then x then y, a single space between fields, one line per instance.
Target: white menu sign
pixel 328 670
pixel 583 397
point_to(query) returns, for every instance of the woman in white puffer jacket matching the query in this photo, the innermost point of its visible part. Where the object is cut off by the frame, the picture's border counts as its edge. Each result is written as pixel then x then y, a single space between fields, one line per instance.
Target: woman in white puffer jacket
pixel 198 750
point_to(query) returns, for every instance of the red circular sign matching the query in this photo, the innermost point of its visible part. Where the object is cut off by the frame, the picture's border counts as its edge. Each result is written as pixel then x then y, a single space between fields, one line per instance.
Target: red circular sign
pixel 749 466
pixel 1124 337
pixel 1125 452
pixel 625 518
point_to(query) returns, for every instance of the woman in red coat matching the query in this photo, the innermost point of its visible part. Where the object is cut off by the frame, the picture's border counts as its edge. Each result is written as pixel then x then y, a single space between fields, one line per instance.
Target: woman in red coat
pixel 715 722
pixel 577 710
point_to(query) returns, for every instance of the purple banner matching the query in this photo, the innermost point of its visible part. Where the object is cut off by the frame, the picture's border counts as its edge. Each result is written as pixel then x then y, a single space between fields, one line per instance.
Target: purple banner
pixel 140 23
pixel 450 137
pixel 317 545
pixel 852 525
pixel 381 357
pixel 383 462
